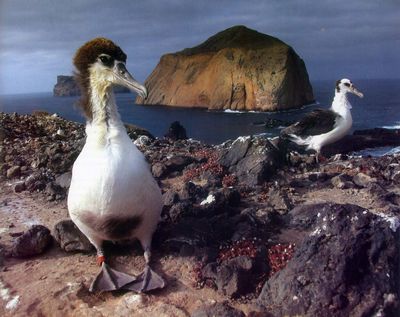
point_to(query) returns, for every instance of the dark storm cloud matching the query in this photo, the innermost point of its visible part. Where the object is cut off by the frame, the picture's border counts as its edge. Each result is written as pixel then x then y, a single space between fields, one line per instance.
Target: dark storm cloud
pixel 38 38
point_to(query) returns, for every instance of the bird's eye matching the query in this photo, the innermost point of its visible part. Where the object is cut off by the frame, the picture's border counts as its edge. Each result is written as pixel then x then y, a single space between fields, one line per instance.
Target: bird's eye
pixel 106 60
pixel 347 84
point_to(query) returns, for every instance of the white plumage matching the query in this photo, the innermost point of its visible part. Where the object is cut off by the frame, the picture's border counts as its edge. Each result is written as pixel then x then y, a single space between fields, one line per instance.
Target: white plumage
pixel 322 127
pixel 113 195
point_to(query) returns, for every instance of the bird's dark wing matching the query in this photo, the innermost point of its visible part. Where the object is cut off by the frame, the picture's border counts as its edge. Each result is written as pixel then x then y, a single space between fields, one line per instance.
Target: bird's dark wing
pixel 316 122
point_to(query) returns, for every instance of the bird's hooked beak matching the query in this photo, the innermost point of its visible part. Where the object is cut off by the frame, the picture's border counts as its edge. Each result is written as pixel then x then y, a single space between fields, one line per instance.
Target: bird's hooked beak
pixel 124 78
pixel 355 91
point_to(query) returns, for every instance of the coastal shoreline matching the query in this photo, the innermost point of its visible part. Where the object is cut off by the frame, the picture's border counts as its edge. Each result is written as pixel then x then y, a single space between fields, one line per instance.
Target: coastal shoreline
pixel 227 208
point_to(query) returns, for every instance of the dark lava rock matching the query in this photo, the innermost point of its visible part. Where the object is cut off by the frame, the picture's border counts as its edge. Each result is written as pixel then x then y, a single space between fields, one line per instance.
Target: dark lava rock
pixel 217 310
pixel 179 210
pixel 347 265
pixel 36 181
pixel 33 242
pixel 178 162
pixel 19 187
pixel 191 191
pixel 252 160
pixel 233 276
pixel 195 232
pixel 176 131
pixel 363 139
pixel 319 177
pixel 134 132
pixel 223 200
pixel 70 238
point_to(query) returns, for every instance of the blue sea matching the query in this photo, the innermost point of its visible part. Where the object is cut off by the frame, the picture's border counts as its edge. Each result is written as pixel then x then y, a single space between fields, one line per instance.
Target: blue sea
pixel 380 107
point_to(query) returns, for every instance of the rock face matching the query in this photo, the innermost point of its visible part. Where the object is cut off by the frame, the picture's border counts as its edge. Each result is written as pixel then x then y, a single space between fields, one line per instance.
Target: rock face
pixel 345 266
pixel 238 69
pixel 252 159
pixel 67 86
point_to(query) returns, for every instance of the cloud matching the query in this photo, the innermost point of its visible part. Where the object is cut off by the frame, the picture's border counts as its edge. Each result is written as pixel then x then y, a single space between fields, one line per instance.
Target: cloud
pixel 40 37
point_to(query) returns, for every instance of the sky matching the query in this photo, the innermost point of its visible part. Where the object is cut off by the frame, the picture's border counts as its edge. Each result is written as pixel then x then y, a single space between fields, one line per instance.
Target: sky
pixel 335 38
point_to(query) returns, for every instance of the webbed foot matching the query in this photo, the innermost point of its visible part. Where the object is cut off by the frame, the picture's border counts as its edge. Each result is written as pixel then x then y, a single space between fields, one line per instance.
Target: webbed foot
pixel 147 281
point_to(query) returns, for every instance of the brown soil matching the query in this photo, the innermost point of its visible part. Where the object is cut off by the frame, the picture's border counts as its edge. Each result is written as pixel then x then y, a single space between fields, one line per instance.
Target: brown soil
pixel 56 283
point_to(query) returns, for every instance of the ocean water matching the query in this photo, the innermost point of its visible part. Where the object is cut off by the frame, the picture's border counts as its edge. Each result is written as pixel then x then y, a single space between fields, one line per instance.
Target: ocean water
pixel 380 107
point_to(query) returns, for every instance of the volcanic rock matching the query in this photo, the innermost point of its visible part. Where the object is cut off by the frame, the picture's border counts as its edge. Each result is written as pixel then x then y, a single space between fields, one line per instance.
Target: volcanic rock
pixel 363 139
pixel 70 238
pixel 19 187
pixel 238 68
pixel 346 265
pixel 176 131
pixel 252 160
pixel 279 200
pixel 233 277
pixel 33 242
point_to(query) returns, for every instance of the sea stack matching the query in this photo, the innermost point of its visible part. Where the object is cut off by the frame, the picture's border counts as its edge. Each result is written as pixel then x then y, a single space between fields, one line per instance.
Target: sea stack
pixel 237 69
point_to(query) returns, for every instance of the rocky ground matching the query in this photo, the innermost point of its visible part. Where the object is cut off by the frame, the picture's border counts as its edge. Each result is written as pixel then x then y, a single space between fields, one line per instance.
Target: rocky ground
pixel 245 230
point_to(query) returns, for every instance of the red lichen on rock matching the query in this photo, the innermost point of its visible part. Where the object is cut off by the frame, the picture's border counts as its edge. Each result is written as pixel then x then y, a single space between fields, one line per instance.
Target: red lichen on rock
pixel 279 255
pixel 229 180
pixel 210 165
pixel 243 247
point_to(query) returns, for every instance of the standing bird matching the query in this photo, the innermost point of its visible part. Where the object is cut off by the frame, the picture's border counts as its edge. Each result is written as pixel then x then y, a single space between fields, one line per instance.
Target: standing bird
pixel 113 195
pixel 321 127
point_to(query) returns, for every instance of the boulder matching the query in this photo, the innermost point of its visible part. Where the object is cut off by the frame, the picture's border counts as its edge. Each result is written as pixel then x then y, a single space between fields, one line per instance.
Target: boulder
pixel 238 68
pixel 176 131
pixel 33 242
pixel 252 159
pixel 346 265
pixel 233 276
pixel 70 238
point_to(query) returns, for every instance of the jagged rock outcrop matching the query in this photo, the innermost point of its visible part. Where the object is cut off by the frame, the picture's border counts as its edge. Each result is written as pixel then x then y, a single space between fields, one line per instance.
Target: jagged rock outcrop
pixel 67 86
pixel 346 265
pixel 238 69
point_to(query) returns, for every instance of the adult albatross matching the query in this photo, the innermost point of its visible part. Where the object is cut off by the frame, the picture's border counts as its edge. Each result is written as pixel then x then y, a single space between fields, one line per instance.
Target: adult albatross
pixel 324 126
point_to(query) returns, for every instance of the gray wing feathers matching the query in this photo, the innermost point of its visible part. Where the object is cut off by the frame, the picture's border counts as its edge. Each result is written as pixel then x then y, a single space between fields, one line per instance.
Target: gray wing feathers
pixel 316 122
